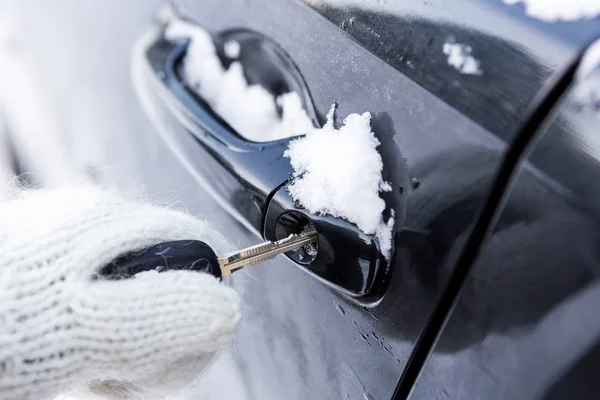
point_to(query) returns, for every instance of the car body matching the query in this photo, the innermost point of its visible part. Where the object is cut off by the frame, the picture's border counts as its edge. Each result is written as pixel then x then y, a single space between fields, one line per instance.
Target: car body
pixel 516 319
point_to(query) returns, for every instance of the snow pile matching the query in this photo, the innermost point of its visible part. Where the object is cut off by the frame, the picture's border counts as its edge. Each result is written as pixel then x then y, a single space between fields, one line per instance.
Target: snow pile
pixel 560 10
pixel 459 57
pixel 250 109
pixel 338 172
pixel 232 49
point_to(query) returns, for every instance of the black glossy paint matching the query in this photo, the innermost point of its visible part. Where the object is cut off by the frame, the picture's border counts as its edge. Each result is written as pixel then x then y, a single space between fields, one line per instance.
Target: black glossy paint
pixel 516 52
pixel 191 255
pixel 540 111
pixel 528 314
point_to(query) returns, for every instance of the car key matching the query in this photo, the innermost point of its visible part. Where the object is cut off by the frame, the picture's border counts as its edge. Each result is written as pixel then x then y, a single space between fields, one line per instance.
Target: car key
pixel 195 255
pixel 264 252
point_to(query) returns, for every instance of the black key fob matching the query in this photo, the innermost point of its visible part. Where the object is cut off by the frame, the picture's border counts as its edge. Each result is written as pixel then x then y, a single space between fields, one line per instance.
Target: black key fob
pixel 192 255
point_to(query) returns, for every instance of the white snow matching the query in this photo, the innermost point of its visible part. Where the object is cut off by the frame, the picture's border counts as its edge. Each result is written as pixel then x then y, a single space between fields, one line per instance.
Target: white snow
pixel 27 116
pixel 590 61
pixel 250 109
pixel 232 49
pixel 586 94
pixel 386 187
pixel 560 10
pixel 384 235
pixel 459 57
pixel 338 172
pixel 311 250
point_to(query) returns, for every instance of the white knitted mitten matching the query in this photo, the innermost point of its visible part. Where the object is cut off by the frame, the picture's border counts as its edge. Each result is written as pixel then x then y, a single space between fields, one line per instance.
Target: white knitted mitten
pixel 143 337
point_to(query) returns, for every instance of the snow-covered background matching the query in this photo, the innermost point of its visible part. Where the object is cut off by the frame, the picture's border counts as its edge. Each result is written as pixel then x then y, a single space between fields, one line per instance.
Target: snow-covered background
pixel 68 113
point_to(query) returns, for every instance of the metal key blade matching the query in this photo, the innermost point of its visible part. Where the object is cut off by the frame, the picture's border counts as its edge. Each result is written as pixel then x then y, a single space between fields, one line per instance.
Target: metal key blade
pixel 265 251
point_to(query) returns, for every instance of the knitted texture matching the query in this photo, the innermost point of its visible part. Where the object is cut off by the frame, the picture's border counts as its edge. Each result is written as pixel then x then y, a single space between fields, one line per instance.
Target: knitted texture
pixel 143 337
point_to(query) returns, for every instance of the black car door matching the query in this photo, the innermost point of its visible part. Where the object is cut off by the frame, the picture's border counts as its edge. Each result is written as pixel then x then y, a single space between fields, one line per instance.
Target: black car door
pixel 445 126
pixel 444 129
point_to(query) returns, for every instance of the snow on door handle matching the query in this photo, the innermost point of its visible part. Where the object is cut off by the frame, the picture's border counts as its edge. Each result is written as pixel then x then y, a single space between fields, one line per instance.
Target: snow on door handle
pixel 249 178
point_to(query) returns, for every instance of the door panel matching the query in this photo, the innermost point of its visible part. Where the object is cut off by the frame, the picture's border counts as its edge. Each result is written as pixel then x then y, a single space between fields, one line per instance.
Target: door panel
pixel 299 339
pixel 329 347
pixel 528 314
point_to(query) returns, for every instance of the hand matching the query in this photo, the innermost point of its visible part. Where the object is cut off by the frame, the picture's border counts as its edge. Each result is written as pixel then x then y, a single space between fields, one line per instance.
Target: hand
pixel 142 337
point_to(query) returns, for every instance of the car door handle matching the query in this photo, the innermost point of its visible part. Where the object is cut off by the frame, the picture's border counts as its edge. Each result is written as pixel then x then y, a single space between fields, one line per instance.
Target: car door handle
pixel 248 178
